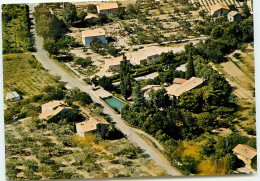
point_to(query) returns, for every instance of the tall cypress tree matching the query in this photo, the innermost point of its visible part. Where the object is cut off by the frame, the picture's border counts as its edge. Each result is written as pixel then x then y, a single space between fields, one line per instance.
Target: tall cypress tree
pixel 190 72
pixel 139 100
pixel 125 79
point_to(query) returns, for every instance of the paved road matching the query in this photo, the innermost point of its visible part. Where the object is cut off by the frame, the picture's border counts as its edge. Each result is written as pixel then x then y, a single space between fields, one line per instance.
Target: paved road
pixel 42 57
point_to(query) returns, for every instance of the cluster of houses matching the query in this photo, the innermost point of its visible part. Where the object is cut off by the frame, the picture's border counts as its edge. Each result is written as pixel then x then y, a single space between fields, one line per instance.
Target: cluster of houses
pixel 221 9
pixel 98 125
pixel 95 125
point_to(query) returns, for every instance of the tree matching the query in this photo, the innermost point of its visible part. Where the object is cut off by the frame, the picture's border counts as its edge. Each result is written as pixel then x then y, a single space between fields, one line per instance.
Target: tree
pixel 84 62
pixel 161 98
pixel 106 83
pixel 190 72
pixel 69 14
pixel 48 25
pixel 245 10
pixel 96 45
pixel 247 30
pixel 83 98
pixel 50 46
pixel 125 79
pixel 81 15
pixel 139 100
pixel 202 13
pixel 102 18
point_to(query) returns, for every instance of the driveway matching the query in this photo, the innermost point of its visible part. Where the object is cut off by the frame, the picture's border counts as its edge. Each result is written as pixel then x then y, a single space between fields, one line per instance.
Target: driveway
pixel 42 56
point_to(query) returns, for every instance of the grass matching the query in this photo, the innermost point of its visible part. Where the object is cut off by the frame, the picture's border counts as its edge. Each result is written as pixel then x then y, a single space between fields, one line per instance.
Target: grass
pixel 24 74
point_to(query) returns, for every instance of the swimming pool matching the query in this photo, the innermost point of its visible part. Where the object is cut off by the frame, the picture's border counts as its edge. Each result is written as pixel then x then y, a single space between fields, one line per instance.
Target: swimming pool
pixel 115 103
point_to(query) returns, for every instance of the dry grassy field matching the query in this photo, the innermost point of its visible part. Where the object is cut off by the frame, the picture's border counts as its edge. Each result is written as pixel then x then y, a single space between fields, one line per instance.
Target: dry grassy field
pixel 22 72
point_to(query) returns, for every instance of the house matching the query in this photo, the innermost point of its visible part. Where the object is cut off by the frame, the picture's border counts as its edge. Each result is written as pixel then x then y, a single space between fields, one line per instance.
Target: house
pixel 146 90
pixel 136 58
pixel 234 16
pixel 179 81
pixel 182 85
pixel 91 18
pixel 219 9
pixel 52 109
pixel 93 125
pixel 114 64
pixel 107 8
pixel 148 55
pixel 245 153
pixel 89 35
pixel 12 96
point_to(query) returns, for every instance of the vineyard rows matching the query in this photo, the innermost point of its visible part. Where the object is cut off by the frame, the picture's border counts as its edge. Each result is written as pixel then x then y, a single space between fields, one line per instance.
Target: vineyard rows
pixel 206 4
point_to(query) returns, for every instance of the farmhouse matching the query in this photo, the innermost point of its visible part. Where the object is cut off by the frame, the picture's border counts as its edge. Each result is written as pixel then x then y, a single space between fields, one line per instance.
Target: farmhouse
pixel 93 125
pixel 234 16
pixel 114 64
pixel 12 96
pixel 147 55
pixel 245 153
pixel 182 85
pixel 52 109
pixel 107 8
pixel 89 35
pixel 219 9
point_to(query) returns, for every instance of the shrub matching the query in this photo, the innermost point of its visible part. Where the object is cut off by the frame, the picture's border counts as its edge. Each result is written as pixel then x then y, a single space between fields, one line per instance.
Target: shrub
pixel 250 131
pixel 237 55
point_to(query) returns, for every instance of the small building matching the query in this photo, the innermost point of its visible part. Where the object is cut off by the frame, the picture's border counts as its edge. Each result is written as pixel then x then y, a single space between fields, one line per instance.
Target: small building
pixel 234 16
pixel 114 64
pixel 12 96
pixel 245 153
pixel 107 8
pixel 176 89
pixel 52 109
pixel 102 93
pixel 136 58
pixel 219 9
pixel 95 125
pixel 89 35
pixel 91 18
pixel 147 55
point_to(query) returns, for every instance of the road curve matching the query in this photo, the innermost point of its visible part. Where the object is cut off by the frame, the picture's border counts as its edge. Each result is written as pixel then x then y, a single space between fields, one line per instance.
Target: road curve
pixel 42 56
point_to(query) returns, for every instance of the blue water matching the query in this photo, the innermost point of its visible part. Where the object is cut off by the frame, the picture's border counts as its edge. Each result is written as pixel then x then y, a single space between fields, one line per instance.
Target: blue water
pixel 115 103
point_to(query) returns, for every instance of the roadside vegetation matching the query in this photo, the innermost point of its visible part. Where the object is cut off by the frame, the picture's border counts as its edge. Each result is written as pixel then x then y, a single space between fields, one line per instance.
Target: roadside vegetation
pixel 16 29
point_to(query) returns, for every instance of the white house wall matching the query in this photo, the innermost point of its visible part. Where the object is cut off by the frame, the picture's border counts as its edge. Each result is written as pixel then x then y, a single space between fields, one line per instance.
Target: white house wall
pixel 88 40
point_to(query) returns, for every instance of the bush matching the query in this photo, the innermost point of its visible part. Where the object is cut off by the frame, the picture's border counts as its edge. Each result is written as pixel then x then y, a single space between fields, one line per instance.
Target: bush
pixel 250 131
pixel 237 55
